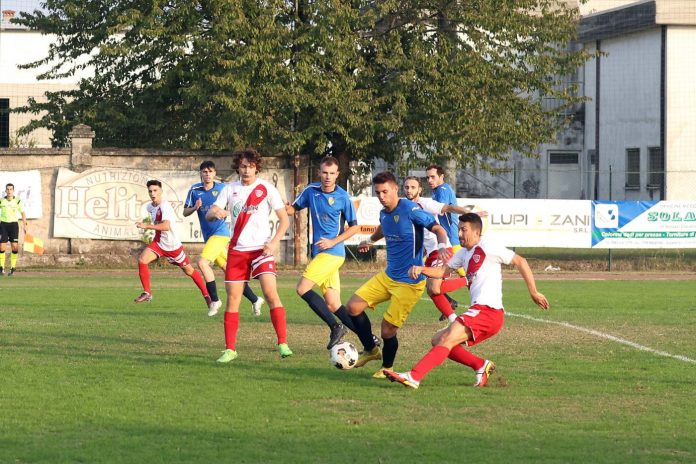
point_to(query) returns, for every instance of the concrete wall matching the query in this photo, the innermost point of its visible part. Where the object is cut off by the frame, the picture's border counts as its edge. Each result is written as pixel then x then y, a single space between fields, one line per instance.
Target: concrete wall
pixel 71 251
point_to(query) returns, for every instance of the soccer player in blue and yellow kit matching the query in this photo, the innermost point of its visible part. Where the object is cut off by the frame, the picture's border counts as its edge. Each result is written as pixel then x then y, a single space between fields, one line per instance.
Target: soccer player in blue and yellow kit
pixel 216 235
pixel 401 224
pixel 330 208
pixel 11 209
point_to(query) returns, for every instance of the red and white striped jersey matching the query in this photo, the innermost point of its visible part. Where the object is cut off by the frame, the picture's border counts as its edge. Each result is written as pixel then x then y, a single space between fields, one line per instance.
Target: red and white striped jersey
pixel 483 271
pixel 166 239
pixel 250 209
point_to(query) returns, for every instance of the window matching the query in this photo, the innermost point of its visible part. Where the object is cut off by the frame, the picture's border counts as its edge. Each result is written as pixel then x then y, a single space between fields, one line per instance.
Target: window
pixel 4 122
pixel 632 168
pixel 563 158
pixel 656 167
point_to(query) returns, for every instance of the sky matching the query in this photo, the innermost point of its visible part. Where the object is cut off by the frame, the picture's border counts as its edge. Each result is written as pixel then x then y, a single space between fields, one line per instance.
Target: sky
pixel 20 5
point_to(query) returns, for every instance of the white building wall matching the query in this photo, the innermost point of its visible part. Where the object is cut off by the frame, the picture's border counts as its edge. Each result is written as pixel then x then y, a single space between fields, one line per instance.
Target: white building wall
pixel 680 123
pixel 629 108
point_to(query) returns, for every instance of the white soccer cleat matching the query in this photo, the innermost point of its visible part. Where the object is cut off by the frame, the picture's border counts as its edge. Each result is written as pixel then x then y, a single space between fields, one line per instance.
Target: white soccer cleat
pixel 213 307
pixel 256 307
pixel 483 374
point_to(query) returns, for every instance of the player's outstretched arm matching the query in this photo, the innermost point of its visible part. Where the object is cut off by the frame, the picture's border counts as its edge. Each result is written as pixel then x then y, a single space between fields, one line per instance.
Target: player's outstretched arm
pixel 526 272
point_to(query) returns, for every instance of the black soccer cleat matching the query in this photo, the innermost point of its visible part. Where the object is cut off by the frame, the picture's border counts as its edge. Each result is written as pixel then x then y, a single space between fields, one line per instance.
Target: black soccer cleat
pixel 12 271
pixel 337 333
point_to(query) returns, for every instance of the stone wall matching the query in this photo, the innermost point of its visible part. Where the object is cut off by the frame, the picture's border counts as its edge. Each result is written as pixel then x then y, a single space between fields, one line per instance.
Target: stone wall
pixel 82 156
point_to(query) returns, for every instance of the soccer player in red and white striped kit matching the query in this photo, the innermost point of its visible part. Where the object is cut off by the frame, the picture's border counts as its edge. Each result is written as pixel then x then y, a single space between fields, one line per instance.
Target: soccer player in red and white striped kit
pixel 482 259
pixel 165 244
pixel 248 203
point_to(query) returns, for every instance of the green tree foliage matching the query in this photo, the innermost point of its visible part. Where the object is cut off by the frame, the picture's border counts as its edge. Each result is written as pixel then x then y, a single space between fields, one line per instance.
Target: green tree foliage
pixel 460 79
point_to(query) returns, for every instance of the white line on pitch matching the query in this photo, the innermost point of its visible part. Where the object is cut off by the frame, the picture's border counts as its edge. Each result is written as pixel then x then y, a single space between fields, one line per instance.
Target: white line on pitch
pixel 607 336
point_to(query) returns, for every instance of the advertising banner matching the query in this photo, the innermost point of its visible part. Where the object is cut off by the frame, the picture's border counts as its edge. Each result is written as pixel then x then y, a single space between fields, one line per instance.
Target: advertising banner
pixel 643 224
pixel 27 188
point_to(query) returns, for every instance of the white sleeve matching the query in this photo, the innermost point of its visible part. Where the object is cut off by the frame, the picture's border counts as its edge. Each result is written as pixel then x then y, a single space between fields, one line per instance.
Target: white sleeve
pixel 168 212
pixel 457 260
pixel 222 199
pixel 505 254
pixel 274 198
pixel 431 206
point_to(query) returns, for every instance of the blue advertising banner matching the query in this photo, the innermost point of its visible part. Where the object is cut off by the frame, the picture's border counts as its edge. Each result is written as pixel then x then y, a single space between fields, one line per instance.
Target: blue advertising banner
pixel 643 224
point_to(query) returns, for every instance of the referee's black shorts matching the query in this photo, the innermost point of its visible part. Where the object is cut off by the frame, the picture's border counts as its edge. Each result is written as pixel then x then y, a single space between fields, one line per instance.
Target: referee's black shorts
pixel 9 232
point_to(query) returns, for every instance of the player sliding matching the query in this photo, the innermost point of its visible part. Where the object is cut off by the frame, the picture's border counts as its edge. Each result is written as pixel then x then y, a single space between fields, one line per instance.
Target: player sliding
pixel 482 259
pixel 248 202
pixel 164 244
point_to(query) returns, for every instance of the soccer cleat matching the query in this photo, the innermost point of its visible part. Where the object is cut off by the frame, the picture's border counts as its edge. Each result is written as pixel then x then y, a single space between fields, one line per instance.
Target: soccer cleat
pixel 337 333
pixel 367 356
pixel 380 374
pixel 12 271
pixel 483 374
pixel 285 350
pixel 144 297
pixel 213 307
pixel 404 378
pixel 256 307
pixel 377 341
pixel 227 356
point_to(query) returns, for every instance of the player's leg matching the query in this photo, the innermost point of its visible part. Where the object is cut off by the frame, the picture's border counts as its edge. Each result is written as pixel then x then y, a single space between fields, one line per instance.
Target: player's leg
pixel 277 311
pixel 147 256
pixel 198 280
pixel 14 246
pixel 4 238
pixel 231 319
pixel 442 303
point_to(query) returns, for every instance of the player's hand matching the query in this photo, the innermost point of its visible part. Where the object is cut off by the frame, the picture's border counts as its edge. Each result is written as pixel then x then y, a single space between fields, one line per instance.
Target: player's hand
pixel 268 248
pixel 198 204
pixel 415 271
pixel 444 254
pixel 220 213
pixel 364 246
pixel 325 244
pixel 541 300
pixel 140 225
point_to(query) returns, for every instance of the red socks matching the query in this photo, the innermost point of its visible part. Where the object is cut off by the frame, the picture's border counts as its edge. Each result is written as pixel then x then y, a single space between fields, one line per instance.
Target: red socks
pixel 231 327
pixel 144 273
pixel 200 283
pixel 279 324
pixel 450 285
pixel 442 304
pixel 463 356
pixel 434 358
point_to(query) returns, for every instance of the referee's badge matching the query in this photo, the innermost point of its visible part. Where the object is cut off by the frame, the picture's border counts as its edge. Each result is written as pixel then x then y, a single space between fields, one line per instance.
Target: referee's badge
pixel 396 218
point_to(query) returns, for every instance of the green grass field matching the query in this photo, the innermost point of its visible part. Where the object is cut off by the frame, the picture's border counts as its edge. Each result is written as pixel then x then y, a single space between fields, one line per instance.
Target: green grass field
pixel 87 376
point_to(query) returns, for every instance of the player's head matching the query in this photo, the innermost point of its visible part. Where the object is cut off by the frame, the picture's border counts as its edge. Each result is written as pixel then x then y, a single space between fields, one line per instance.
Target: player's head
pixel 247 163
pixel 9 190
pixel 328 172
pixel 207 172
pixel 470 227
pixel 412 188
pixel 154 189
pixel 387 189
pixel 435 175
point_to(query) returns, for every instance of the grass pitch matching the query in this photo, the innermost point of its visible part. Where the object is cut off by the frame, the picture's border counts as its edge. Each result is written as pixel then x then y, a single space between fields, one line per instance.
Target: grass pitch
pixel 87 376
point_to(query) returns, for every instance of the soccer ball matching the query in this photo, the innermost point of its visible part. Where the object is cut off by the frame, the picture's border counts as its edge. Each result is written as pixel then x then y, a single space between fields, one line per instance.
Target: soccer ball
pixel 344 355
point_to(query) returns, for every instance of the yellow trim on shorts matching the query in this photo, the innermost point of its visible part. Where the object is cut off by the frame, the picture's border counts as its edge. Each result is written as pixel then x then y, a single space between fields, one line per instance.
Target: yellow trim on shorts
pixel 402 297
pixel 215 250
pixel 323 271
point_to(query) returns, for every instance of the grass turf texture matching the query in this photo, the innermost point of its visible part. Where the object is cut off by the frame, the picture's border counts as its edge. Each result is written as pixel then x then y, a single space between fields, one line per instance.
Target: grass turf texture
pixel 88 376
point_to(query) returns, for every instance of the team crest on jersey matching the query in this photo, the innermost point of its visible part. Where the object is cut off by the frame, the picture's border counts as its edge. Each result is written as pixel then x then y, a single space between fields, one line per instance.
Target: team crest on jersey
pixel 332 200
pixel 396 218
pixel 215 193
pixel 476 258
pixel 258 193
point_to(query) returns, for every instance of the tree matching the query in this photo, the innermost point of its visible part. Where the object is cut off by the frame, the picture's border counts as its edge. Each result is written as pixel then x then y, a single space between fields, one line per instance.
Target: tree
pixel 457 79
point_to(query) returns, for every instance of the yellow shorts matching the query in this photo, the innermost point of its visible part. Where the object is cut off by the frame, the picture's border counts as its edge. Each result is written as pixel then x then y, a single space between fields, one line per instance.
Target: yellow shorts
pixel 456 248
pixel 323 271
pixel 402 297
pixel 215 250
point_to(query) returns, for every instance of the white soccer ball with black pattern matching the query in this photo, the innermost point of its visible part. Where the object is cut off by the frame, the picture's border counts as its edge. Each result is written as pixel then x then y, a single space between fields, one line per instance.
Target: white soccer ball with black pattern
pixel 344 355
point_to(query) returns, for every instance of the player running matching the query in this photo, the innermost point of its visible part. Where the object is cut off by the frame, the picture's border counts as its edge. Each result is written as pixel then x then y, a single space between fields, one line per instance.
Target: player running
pixel 248 203
pixel 164 244
pixel 216 235
pixel 482 259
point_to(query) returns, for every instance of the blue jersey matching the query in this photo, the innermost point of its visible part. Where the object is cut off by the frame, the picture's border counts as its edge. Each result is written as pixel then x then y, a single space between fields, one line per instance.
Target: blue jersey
pixel 403 231
pixel 329 212
pixel 444 194
pixel 208 197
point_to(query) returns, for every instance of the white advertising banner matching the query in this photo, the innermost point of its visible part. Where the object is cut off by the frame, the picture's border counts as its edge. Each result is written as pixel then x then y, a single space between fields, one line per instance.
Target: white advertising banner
pixel 27 187
pixel 105 203
pixel 515 223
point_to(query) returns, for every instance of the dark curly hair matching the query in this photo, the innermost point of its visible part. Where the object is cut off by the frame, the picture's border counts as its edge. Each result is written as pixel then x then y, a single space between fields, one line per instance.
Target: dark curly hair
pixel 249 154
